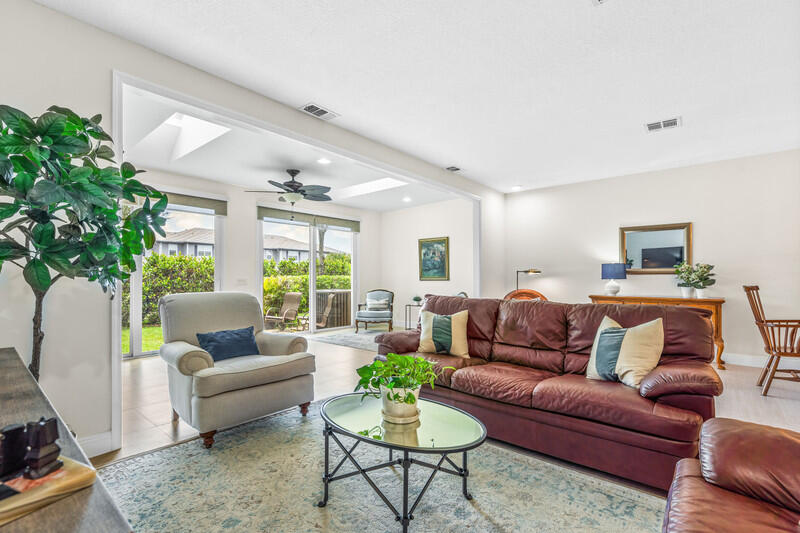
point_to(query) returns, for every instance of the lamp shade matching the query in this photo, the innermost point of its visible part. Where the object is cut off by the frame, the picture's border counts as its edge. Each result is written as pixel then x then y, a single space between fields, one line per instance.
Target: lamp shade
pixel 613 271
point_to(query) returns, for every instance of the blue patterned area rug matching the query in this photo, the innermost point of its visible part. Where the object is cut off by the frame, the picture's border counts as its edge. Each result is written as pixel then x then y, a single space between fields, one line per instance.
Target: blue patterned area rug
pixel 363 340
pixel 265 476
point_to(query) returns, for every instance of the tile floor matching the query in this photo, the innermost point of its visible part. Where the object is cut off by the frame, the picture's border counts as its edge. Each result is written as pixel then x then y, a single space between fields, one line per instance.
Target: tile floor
pixel 147 422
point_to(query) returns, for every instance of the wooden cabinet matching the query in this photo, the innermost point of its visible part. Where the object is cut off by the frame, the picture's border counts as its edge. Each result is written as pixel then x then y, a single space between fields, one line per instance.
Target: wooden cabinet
pixel 712 304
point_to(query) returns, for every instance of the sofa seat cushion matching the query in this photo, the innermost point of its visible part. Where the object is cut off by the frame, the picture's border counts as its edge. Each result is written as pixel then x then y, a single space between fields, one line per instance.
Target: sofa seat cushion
pixel 502 382
pixel 696 506
pixel 443 360
pixel 615 404
pixel 250 371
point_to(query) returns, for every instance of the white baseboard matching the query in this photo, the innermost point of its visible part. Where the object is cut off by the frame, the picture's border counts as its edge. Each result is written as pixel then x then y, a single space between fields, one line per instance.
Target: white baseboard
pixel 94 445
pixel 744 359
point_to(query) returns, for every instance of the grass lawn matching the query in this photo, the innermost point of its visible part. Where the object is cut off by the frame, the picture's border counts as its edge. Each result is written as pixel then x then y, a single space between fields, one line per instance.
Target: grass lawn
pixel 151 339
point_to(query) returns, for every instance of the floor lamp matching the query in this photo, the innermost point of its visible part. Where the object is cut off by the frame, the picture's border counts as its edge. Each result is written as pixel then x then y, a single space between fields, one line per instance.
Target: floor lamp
pixel 530 272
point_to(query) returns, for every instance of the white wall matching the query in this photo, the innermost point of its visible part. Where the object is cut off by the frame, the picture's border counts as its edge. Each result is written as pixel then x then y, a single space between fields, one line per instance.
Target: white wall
pixel 400 232
pixel 77 346
pixel 746 220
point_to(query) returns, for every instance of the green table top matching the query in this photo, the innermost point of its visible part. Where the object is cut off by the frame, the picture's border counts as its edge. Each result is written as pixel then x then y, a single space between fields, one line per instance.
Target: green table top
pixel 440 428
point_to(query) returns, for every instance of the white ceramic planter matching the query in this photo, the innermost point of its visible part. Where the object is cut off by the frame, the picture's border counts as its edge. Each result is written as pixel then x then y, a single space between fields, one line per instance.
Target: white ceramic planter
pixel 400 413
pixel 700 293
pixel 403 434
pixel 686 292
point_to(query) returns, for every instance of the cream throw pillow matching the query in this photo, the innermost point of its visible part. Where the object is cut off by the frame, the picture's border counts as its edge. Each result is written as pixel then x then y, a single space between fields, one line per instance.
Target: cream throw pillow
pixel 444 333
pixel 626 355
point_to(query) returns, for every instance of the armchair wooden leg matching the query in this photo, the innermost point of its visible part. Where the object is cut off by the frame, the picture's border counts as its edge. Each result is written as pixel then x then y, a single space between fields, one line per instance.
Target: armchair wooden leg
pixel 772 370
pixel 208 438
pixel 356 326
pixel 764 372
pixel 174 415
pixel 304 408
pixel 390 325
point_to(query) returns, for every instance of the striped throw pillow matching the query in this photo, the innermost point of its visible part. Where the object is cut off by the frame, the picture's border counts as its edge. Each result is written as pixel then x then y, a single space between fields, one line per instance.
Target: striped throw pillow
pixel 625 354
pixel 444 333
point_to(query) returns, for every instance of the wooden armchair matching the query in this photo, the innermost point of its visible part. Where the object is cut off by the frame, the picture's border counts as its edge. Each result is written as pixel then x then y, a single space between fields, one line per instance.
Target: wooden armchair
pixel 525 294
pixel 781 339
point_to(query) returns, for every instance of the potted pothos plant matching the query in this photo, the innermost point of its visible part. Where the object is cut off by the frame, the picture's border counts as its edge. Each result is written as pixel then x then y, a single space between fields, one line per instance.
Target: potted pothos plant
pixel 397 381
pixel 63 216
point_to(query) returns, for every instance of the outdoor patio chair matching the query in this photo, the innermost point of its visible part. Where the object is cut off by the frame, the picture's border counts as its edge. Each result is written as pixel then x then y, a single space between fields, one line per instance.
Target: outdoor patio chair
pixel 286 315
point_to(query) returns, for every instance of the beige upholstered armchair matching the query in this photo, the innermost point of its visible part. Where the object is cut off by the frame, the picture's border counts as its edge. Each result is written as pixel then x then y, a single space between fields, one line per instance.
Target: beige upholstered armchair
pixel 211 395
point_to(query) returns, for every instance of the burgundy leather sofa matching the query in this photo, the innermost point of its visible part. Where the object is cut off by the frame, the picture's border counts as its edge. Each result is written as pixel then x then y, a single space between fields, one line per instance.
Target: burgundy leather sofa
pixel 747 479
pixel 525 380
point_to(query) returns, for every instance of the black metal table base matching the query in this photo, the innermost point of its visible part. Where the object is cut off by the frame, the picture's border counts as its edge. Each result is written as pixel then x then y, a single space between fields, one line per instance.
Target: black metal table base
pixel 407 512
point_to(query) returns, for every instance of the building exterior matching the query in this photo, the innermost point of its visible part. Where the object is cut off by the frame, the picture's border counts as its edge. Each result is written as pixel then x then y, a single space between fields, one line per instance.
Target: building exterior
pixel 199 242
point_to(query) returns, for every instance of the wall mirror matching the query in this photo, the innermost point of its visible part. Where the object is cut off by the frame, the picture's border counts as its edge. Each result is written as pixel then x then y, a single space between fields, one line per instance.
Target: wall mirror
pixel 655 249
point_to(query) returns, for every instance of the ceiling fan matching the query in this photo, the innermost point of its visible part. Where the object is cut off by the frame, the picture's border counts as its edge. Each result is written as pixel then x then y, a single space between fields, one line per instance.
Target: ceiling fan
pixel 293 191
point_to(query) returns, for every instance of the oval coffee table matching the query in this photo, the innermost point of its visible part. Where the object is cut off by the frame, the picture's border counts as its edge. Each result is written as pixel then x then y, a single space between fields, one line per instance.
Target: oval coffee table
pixel 441 430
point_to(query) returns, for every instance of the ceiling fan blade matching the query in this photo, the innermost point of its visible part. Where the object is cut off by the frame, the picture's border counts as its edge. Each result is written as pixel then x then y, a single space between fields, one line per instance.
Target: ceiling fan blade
pixel 314 189
pixel 281 186
pixel 318 197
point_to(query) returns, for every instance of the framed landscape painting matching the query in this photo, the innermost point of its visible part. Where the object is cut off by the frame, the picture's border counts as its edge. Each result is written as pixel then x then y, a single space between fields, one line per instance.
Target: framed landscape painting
pixel 434 259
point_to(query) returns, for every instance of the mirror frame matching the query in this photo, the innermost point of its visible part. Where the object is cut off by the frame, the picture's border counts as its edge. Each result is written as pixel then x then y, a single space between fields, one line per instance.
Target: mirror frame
pixel 686 226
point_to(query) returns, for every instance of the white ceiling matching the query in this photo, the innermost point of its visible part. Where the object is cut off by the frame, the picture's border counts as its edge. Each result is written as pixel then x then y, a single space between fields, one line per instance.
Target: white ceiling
pixel 248 157
pixel 514 92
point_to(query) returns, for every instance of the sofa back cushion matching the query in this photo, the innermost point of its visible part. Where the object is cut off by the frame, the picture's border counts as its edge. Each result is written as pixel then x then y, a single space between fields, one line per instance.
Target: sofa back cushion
pixel 531 333
pixel 688 331
pixel 481 322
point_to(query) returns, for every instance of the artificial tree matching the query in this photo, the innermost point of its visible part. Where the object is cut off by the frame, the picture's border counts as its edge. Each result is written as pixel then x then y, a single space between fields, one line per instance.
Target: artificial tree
pixel 66 217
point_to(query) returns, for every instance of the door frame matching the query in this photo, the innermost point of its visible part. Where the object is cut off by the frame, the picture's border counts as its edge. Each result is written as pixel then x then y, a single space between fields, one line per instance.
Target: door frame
pixel 119 79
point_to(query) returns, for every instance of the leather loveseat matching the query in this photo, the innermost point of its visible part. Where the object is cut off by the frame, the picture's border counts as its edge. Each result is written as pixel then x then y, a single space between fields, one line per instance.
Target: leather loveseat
pixel 525 380
pixel 747 479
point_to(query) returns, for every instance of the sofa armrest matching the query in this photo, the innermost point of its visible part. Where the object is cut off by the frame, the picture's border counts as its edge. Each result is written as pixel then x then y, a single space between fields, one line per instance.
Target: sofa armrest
pixel 398 342
pixel 280 344
pixel 684 377
pixel 758 461
pixel 186 358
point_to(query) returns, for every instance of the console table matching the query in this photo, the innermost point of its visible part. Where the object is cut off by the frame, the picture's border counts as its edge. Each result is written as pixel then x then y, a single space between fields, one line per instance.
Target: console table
pixel 88 510
pixel 712 304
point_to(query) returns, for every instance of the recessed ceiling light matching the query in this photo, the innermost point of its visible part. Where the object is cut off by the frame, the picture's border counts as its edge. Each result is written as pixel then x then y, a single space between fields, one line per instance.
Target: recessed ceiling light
pixel 406 199
pixel 324 161
pixel 516 188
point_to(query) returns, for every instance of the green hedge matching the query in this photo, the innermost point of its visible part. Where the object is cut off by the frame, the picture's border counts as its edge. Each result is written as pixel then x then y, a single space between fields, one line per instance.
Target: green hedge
pixel 168 274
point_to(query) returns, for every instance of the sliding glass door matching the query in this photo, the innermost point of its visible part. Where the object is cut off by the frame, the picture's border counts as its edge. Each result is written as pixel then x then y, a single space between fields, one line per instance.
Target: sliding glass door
pixel 287 255
pixel 334 275
pixel 308 270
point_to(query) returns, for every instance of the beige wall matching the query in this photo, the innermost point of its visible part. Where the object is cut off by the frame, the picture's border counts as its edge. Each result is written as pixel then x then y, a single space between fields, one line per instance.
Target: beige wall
pixel 746 222
pixel 76 367
pixel 400 232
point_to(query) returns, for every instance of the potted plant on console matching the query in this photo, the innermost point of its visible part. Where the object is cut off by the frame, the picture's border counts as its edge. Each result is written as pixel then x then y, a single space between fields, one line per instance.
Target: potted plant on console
pixel 397 381
pixel 697 277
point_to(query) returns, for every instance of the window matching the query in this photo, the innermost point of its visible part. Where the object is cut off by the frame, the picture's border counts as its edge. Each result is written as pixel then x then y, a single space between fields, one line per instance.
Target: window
pixel 175 265
pixel 293 254
pixel 267 254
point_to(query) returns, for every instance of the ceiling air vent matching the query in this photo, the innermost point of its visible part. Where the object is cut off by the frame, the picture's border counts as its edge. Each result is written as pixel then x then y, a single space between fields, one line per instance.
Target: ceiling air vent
pixel 663 124
pixel 318 111
pixel 453 169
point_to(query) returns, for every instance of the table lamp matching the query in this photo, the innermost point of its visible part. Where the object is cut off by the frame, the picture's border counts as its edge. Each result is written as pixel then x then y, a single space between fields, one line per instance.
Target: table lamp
pixel 611 272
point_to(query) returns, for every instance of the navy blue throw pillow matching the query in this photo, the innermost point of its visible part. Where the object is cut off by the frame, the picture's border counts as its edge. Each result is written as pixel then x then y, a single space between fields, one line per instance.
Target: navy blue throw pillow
pixel 229 343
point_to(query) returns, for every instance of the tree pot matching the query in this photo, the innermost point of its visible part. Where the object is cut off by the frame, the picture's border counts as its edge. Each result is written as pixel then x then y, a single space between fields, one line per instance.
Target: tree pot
pixel 397 412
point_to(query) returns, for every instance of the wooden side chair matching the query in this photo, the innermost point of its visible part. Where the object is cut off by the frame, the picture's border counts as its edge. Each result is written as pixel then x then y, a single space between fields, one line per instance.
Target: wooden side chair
pixel 525 294
pixel 781 339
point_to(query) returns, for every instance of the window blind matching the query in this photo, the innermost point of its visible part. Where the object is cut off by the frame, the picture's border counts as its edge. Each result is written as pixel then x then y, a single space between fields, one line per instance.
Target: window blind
pixel 219 207
pixel 314 220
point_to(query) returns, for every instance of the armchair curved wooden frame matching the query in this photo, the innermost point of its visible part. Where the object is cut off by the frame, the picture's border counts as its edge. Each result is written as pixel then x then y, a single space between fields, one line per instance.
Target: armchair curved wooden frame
pixel 525 294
